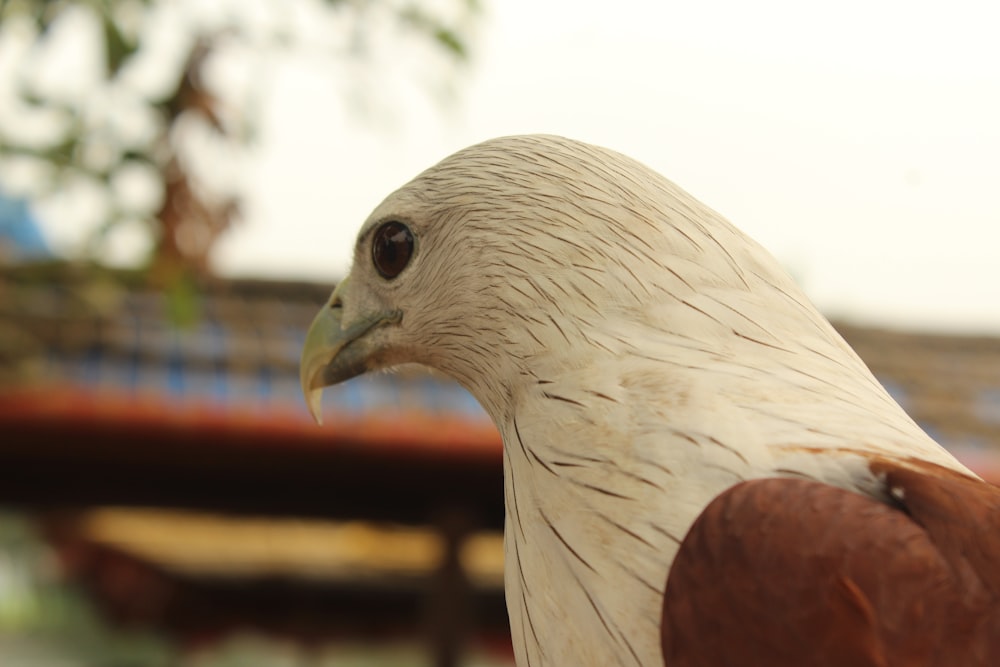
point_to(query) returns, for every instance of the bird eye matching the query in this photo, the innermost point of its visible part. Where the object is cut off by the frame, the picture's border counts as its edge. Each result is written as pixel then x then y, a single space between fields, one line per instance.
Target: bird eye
pixel 392 247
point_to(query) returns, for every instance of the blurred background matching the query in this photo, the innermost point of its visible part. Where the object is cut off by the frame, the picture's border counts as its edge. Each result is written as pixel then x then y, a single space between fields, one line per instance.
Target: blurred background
pixel 180 185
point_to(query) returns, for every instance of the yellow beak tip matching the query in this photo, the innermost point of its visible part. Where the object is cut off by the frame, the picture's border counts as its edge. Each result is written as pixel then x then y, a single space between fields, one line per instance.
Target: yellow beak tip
pixel 314 402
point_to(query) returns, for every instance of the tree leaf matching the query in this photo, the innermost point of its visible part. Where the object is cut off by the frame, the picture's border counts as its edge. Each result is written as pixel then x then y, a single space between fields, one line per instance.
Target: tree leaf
pixel 118 48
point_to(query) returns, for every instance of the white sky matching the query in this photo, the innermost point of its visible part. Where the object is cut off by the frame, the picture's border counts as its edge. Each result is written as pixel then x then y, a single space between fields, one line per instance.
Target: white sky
pixel 858 140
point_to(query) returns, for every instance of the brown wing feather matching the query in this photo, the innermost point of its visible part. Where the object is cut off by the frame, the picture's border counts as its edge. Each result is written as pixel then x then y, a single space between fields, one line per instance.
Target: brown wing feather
pixel 793 572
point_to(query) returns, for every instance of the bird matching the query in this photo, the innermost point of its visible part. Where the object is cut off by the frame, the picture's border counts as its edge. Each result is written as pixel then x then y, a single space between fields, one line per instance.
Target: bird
pixel 698 469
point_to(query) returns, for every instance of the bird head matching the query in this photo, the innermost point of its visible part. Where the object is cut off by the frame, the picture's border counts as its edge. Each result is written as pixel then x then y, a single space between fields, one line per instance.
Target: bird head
pixel 489 263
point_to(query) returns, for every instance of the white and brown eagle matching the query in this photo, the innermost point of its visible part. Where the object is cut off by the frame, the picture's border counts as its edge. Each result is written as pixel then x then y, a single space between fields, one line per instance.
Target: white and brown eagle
pixel 698 469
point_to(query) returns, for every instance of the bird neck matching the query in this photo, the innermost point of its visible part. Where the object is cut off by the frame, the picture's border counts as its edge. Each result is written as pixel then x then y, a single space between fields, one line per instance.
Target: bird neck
pixel 611 457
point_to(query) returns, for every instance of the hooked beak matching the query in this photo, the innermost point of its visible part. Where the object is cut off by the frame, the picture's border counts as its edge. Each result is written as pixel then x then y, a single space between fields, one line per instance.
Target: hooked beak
pixel 335 350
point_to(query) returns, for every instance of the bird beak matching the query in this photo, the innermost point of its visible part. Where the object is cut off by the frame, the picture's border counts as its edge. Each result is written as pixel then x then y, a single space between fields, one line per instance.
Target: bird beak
pixel 335 350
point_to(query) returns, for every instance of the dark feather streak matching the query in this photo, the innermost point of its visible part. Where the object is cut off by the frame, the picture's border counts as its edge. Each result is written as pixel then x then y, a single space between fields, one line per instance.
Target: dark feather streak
pixel 557 397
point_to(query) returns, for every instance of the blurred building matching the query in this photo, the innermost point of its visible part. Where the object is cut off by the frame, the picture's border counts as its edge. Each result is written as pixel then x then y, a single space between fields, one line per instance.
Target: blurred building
pixel 173 465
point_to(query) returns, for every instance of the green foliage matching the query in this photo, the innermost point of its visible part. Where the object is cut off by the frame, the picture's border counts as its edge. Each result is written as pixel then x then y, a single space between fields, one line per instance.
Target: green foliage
pixel 183 302
pixel 45 622
pixel 86 146
pixel 448 38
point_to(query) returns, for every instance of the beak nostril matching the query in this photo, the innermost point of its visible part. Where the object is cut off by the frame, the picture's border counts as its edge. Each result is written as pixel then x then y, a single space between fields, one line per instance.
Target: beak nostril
pixel 336 302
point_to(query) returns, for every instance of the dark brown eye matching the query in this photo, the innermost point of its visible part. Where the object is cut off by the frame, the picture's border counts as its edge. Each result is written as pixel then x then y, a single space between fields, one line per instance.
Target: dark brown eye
pixel 392 247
